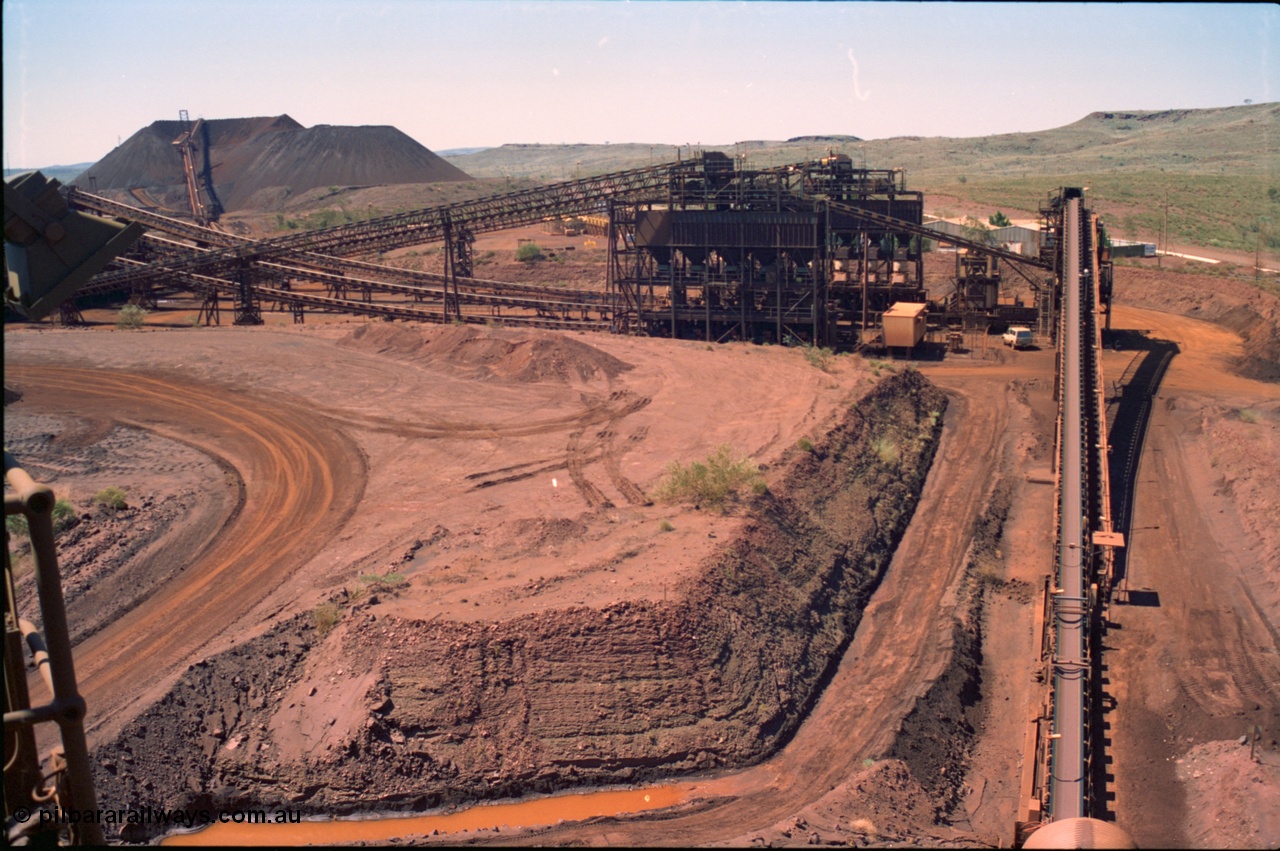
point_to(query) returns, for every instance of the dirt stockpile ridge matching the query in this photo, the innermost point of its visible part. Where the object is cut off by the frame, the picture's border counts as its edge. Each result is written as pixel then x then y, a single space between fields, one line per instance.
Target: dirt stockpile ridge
pixel 149 159
pixel 500 354
pixel 332 156
pixel 243 156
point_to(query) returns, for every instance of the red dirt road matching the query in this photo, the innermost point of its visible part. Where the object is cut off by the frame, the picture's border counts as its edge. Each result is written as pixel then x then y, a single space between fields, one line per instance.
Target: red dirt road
pixel 1194 660
pixel 301 478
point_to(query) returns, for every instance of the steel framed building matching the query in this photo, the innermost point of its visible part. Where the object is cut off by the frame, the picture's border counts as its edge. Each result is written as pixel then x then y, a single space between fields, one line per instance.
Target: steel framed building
pixel 776 256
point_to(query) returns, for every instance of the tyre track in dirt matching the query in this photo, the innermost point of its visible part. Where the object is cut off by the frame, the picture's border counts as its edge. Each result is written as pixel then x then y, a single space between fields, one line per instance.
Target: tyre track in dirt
pixel 302 480
pixel 577 456
pixel 601 447
pixel 618 405
pixel 613 465
pixel 581 452
pixel 902 645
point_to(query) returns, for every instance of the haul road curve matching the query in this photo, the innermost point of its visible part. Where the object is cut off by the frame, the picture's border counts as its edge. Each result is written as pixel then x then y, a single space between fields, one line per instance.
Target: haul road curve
pixel 301 478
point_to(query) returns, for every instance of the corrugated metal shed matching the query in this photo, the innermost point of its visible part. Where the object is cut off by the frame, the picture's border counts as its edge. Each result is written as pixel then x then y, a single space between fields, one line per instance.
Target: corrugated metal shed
pixel 1016 233
pixel 1027 238
pixel 949 228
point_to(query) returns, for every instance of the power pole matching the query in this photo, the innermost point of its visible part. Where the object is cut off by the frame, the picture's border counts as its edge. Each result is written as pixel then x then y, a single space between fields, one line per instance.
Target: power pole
pixel 1164 229
pixel 1166 218
pixel 1257 255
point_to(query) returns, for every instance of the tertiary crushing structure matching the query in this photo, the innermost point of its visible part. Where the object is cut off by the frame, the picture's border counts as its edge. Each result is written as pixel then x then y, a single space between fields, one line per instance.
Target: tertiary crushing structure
pixel 809 253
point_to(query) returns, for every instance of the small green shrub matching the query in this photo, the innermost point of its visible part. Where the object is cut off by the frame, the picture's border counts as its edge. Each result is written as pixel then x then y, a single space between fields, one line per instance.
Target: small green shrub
pixel 387 580
pixel 324 617
pixel 63 515
pixel 1249 415
pixel 528 252
pixel 16 524
pixel 131 317
pixel 665 526
pixel 804 444
pixel 886 449
pixel 711 483
pixel 988 573
pixel 111 497
pixel 820 358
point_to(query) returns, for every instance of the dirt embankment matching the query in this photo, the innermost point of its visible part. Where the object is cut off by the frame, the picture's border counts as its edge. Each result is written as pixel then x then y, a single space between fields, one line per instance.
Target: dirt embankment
pixel 492 353
pixel 1236 304
pixel 915 793
pixel 388 710
pixel 936 738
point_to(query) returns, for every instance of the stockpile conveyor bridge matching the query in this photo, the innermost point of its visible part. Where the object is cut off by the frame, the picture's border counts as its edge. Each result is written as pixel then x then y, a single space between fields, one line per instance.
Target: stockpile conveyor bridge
pixel 697 248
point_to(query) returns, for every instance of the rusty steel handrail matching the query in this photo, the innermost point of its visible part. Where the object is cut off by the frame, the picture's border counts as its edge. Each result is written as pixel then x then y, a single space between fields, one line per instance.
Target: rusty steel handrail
pixel 75 791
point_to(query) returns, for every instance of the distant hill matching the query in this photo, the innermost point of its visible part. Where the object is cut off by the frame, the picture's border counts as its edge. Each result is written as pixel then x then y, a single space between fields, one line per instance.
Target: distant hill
pixel 819 140
pixel 461 152
pixel 1227 140
pixel 248 156
pixel 1205 177
pixel 61 173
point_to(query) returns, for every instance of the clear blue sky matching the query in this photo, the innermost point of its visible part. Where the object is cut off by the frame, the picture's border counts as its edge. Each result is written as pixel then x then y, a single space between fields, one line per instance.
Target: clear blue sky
pixel 79 75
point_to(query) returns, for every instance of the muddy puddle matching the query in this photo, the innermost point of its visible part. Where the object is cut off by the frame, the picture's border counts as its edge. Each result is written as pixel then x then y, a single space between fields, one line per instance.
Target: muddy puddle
pixel 540 812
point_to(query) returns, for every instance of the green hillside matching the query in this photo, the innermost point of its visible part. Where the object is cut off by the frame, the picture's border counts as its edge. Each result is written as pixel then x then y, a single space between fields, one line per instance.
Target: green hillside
pixel 65 174
pixel 1220 167
pixel 1229 140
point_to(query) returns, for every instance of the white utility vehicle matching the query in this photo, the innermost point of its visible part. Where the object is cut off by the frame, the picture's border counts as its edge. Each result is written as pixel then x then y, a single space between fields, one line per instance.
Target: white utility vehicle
pixel 1019 337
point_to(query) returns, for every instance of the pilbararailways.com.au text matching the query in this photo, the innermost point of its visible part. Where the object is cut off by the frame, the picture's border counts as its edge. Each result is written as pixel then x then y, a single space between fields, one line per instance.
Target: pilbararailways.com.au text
pixel 166 817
